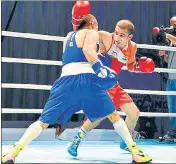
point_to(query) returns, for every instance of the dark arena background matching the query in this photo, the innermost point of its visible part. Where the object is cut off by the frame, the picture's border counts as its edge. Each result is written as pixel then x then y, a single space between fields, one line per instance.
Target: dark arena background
pixel 54 18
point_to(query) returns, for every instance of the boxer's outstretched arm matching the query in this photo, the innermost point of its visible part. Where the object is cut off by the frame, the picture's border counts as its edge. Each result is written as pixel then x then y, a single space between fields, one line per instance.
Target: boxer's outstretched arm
pixel 89 46
pixel 132 59
pixel 144 64
pixel 108 78
pixel 105 41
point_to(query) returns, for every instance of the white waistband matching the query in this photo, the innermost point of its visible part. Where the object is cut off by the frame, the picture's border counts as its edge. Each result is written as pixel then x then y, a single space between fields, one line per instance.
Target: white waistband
pixel 76 68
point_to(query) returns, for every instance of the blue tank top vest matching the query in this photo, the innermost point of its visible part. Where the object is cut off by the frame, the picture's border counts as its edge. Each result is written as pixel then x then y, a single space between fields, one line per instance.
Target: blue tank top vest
pixel 72 53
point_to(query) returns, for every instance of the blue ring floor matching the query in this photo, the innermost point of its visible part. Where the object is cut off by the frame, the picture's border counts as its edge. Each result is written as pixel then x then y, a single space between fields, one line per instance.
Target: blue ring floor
pixel 91 152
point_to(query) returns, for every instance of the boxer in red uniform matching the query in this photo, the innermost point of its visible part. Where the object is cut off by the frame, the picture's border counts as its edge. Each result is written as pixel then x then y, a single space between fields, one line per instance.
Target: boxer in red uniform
pixel 120 51
pixel 72 149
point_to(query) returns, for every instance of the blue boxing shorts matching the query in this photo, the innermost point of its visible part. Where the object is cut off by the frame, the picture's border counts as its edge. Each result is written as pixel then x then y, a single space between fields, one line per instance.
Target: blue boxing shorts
pixel 70 94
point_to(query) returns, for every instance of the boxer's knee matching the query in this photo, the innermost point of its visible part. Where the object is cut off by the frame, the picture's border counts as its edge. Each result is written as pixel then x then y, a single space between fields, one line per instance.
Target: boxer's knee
pixel 44 125
pixel 137 113
pixel 88 125
pixel 131 110
pixel 134 114
pixel 114 117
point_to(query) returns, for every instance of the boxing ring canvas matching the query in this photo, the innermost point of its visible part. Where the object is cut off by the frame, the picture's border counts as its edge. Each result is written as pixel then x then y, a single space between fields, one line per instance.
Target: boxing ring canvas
pixel 91 152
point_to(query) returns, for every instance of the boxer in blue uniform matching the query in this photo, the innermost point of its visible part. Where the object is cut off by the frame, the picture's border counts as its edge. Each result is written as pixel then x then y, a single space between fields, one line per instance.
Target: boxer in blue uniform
pixel 83 84
pixel 118 123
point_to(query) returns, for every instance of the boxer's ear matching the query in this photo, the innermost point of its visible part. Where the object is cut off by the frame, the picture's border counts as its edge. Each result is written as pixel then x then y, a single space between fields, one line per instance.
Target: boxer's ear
pixel 130 36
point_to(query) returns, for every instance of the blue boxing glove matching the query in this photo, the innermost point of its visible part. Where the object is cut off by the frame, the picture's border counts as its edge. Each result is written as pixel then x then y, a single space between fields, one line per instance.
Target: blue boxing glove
pixel 107 77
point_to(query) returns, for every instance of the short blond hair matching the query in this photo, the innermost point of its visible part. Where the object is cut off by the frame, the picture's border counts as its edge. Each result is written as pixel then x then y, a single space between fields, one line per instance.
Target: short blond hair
pixel 126 24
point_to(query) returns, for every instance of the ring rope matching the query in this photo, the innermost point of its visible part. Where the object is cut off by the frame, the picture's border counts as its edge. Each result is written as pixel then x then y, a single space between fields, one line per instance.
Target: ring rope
pixel 47 62
pixel 143 114
pixel 30 61
pixel 33 36
pixel 59 63
pixel 48 87
pixel 58 38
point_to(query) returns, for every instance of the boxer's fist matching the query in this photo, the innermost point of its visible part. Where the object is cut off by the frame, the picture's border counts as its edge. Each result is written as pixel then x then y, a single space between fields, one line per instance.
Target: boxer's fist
pixel 107 78
pixel 146 65
pixel 79 9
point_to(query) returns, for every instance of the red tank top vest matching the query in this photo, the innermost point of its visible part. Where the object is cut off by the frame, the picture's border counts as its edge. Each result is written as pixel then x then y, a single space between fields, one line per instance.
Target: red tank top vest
pixel 119 57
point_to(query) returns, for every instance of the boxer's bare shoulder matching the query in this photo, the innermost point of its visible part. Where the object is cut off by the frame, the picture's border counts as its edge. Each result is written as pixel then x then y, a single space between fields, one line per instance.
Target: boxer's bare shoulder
pixel 106 39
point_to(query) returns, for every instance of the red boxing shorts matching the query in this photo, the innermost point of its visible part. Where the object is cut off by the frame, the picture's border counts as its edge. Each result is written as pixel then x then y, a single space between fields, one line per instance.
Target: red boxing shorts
pixel 119 96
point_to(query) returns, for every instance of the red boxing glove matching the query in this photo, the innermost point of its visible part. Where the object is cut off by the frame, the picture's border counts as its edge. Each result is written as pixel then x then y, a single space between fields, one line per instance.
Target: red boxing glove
pixel 79 9
pixel 145 65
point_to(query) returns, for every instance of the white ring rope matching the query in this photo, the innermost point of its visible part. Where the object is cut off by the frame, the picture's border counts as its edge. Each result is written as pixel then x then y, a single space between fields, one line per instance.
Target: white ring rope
pixel 49 62
pixel 48 87
pixel 32 36
pixel 58 38
pixel 59 63
pixel 30 61
pixel 154 47
pixel 144 114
